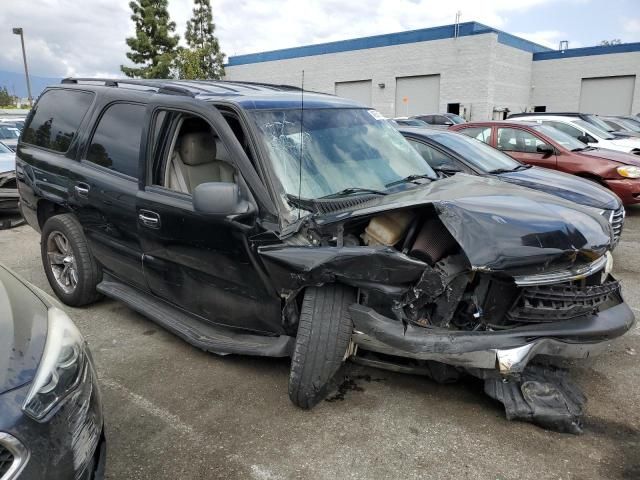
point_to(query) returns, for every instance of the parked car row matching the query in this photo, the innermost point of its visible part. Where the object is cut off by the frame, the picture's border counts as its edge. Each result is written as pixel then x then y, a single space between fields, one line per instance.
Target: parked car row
pixel 546 145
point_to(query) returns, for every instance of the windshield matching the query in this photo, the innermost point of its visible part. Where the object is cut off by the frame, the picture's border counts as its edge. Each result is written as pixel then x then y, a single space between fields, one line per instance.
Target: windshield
pixel 4 148
pixel 629 125
pixel 593 130
pixel 342 148
pixel 456 118
pixel 8 133
pixel 601 124
pixel 558 136
pixel 476 152
pixel 411 122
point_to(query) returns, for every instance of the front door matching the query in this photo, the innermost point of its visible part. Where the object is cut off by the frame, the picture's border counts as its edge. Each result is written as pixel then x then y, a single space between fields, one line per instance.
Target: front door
pixel 105 191
pixel 201 264
pixel 526 147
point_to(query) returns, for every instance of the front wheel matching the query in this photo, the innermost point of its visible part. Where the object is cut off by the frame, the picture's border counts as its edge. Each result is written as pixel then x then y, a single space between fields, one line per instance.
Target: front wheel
pixel 324 333
pixel 70 268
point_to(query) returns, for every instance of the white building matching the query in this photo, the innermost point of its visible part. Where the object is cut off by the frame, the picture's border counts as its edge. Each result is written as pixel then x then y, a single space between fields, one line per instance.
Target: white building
pixel 478 71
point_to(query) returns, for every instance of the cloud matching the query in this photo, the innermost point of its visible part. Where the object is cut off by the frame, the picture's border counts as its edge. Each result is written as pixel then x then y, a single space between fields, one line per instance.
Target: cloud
pixel 87 37
pixel 631 29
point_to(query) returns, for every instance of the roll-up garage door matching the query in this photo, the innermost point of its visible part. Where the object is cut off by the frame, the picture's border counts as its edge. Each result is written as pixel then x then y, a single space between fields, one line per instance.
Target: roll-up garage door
pixel 359 91
pixel 417 95
pixel 607 95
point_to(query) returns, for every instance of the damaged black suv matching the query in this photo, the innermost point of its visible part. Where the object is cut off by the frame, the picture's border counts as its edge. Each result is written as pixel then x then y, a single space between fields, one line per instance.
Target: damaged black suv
pixel 262 220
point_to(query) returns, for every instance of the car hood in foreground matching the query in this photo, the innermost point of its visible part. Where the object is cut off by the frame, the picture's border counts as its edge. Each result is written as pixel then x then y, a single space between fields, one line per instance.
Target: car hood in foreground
pixel 569 187
pixel 500 227
pixel 23 331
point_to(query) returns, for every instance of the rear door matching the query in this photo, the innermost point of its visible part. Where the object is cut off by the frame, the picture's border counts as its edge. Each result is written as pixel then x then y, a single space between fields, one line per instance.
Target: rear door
pixel 524 146
pixel 200 263
pixel 106 189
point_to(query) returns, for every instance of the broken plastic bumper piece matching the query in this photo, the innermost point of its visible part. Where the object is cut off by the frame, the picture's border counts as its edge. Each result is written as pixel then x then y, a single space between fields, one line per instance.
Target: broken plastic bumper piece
pixel 507 351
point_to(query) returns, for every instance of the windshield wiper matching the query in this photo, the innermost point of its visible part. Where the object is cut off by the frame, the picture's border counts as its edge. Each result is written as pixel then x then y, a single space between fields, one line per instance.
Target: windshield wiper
pixel 508 170
pixel 410 178
pixel 354 191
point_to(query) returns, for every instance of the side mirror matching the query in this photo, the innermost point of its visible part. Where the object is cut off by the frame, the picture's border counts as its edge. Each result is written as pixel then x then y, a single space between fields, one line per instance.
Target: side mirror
pixel 545 149
pixel 448 123
pixel 587 139
pixel 220 199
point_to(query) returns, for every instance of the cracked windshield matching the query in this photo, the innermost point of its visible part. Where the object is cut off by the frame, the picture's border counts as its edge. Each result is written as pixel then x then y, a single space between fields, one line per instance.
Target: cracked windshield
pixel 341 149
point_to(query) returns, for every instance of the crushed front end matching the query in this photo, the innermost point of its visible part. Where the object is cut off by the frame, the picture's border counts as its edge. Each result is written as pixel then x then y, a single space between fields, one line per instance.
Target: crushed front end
pixel 471 284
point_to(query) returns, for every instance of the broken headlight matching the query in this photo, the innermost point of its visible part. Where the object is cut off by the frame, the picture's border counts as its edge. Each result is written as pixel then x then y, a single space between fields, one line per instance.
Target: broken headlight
pixel 61 366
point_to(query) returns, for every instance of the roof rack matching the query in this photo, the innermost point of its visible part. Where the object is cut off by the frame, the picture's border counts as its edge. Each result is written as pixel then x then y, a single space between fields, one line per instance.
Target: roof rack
pixel 160 86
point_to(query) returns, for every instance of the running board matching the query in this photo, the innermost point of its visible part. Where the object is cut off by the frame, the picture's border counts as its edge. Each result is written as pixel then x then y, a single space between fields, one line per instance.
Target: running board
pixel 201 334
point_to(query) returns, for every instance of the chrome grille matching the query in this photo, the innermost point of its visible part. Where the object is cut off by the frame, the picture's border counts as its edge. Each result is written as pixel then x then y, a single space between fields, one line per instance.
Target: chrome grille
pixel 617 222
pixel 13 456
pixel 6 460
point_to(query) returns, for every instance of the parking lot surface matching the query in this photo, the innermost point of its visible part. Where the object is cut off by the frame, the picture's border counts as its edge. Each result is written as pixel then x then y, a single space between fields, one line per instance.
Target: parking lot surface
pixel 175 412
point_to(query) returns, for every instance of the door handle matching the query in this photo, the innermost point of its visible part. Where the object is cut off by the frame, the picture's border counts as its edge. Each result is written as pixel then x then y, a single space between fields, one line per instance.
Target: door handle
pixel 82 190
pixel 149 219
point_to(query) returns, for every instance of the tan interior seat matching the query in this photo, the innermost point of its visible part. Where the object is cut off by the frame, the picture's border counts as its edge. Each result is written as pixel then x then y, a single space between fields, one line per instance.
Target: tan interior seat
pixel 195 161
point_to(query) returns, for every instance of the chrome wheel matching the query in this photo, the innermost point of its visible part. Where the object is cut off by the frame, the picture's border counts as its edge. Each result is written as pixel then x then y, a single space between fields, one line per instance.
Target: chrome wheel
pixel 62 261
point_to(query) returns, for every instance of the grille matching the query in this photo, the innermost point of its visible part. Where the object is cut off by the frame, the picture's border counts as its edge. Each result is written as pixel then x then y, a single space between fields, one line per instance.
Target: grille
pixel 617 222
pixel 543 304
pixel 6 460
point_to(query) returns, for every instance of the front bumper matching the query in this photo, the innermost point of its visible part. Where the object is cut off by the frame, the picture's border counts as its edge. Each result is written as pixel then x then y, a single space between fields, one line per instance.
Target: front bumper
pixel 505 351
pixel 627 189
pixel 68 444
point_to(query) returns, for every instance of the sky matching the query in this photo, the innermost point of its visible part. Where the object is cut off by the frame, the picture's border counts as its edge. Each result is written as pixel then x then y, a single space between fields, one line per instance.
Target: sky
pixel 87 37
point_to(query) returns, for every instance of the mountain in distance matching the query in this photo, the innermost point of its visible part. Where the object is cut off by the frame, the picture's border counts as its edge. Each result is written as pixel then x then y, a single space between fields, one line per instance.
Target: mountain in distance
pixel 17 85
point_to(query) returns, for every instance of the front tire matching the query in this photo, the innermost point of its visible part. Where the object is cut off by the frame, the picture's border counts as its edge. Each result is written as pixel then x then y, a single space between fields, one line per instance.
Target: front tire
pixel 70 268
pixel 324 333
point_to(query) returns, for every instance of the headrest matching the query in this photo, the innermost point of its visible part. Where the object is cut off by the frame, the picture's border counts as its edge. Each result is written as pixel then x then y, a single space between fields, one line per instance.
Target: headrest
pixel 221 151
pixel 197 148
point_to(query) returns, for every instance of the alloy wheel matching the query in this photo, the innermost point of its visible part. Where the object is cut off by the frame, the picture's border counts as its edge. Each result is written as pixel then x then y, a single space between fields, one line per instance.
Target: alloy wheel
pixel 62 261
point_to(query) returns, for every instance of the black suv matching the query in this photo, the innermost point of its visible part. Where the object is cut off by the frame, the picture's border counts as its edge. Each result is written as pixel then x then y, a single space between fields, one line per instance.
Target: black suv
pixel 263 220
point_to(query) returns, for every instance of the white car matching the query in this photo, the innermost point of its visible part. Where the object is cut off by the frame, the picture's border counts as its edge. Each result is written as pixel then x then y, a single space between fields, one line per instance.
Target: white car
pixel 585 132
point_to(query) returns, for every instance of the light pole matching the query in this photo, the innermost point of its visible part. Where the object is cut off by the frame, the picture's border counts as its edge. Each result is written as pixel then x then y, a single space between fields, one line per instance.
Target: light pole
pixel 18 31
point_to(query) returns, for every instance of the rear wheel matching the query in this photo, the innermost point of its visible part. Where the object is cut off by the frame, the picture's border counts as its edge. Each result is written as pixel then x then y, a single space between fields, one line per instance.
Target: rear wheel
pixel 70 268
pixel 324 333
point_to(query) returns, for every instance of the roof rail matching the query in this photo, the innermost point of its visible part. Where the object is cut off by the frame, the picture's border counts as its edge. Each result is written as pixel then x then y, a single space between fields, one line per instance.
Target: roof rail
pixel 161 86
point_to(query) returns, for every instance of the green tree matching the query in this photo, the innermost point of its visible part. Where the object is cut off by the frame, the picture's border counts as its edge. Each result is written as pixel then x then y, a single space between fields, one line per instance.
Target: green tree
pixel 6 99
pixel 154 46
pixel 203 58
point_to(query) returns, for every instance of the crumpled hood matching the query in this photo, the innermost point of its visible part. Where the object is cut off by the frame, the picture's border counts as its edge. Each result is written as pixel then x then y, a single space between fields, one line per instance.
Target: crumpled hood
pixel 23 331
pixel 501 227
pixel 569 187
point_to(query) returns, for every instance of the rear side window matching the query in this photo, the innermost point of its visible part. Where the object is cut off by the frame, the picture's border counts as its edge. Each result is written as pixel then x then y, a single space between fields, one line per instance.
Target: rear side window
pixel 479 133
pixel 116 142
pixel 56 119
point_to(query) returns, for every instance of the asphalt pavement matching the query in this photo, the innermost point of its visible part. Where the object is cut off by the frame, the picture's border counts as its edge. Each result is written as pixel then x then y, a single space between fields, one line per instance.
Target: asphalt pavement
pixel 175 412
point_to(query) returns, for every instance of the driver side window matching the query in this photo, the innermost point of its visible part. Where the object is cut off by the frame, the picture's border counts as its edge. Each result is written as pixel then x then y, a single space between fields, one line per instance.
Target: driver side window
pixel 516 140
pixel 193 153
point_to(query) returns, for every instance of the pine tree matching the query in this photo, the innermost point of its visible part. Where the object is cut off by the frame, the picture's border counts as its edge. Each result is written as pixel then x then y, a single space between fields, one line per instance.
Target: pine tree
pixel 154 45
pixel 203 59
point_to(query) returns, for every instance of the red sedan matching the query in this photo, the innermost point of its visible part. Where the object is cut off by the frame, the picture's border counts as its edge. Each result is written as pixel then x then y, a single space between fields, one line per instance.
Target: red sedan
pixel 545 146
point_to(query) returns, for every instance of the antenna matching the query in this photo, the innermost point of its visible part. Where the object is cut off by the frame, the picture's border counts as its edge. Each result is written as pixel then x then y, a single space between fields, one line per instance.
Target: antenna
pixel 301 142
